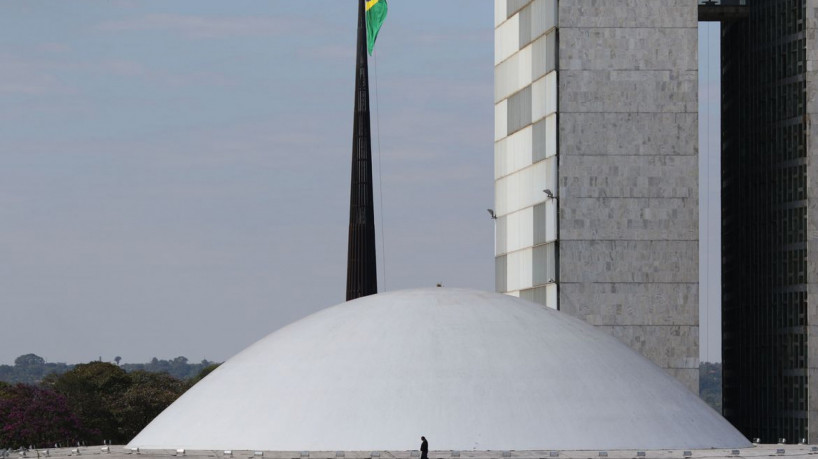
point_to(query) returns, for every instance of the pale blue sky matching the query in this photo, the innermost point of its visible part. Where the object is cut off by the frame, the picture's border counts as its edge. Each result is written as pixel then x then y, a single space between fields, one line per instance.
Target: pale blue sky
pixel 710 191
pixel 175 174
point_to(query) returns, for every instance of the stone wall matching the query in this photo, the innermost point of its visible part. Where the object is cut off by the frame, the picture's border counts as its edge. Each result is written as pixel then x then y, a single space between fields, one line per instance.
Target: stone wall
pixel 628 174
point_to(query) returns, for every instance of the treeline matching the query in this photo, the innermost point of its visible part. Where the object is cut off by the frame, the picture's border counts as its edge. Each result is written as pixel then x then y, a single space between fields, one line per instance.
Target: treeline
pixel 178 368
pixel 89 404
pixel 32 369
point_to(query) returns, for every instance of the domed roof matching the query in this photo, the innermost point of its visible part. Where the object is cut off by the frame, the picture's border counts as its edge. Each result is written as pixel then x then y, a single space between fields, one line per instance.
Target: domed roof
pixel 467 369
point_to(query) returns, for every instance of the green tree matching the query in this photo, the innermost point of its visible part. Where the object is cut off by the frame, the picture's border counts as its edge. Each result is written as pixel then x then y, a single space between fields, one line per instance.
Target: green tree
pixel 92 389
pixel 112 402
pixel 148 395
pixel 178 367
pixel 29 360
pixel 204 372
pixel 30 369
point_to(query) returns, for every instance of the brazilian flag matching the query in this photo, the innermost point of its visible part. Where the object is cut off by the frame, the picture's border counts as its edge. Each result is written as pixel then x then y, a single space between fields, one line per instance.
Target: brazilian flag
pixel 375 15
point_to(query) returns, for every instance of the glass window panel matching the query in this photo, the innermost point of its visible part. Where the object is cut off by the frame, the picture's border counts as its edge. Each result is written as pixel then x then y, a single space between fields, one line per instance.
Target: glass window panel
pixel 500 120
pixel 519 110
pixel 500 274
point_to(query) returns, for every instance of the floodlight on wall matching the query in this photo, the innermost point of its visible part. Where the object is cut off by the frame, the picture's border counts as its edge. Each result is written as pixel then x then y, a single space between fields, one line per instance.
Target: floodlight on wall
pixel 756 441
pixel 493 215
pixel 781 441
pixel 548 193
pixel 803 441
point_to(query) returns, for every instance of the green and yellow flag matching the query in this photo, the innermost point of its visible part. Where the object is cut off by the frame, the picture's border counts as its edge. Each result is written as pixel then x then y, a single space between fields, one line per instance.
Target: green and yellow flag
pixel 375 15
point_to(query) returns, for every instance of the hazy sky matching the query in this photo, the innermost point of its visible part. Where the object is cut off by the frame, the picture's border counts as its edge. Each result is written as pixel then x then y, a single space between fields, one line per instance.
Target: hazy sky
pixel 710 191
pixel 175 174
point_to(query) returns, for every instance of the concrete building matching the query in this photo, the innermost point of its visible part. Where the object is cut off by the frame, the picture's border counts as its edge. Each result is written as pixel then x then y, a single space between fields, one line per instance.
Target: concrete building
pixel 596 167
pixel 472 371
pixel 770 217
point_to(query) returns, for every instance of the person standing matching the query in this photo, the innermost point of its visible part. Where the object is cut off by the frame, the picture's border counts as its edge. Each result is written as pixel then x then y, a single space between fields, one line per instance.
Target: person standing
pixel 424 448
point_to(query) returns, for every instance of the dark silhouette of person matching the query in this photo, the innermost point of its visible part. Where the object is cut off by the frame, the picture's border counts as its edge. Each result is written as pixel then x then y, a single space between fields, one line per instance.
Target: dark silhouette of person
pixel 424 448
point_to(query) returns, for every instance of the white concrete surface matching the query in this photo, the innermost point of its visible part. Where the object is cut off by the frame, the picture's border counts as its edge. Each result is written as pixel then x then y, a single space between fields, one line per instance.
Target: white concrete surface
pixel 469 370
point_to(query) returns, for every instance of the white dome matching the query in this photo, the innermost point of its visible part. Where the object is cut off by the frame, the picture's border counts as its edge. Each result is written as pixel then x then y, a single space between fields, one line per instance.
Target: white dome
pixel 469 370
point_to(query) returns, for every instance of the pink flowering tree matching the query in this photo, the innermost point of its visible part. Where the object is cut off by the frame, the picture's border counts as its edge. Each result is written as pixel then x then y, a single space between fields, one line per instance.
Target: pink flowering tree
pixel 30 415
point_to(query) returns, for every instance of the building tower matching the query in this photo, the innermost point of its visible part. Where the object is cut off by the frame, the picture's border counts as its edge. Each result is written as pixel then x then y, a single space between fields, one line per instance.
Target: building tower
pixel 769 218
pixel 362 274
pixel 596 167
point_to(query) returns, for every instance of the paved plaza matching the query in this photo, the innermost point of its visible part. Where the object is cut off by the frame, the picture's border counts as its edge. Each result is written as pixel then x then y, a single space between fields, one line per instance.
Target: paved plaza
pixel 122 452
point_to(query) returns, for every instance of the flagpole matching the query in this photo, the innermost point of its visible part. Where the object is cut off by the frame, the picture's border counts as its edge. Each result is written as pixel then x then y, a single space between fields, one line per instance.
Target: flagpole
pixel 362 277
